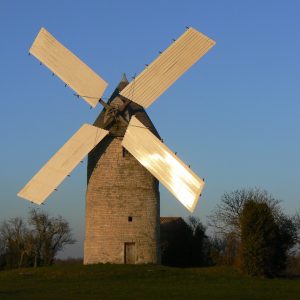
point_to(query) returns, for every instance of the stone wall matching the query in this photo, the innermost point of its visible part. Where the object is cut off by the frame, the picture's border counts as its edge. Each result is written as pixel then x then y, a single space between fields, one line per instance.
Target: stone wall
pixel 122 206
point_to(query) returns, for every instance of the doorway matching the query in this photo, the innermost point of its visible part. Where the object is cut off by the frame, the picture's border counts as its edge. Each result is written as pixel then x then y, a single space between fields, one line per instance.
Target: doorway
pixel 129 253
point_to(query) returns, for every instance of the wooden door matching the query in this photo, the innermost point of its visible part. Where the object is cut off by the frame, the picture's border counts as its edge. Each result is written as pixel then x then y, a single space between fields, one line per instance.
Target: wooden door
pixel 129 253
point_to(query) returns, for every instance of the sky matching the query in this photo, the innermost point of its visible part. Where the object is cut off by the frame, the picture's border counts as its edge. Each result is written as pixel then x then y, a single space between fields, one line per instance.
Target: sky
pixel 234 116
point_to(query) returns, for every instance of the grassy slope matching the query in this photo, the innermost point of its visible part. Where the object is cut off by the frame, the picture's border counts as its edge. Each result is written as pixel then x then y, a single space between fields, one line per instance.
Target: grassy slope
pixel 141 282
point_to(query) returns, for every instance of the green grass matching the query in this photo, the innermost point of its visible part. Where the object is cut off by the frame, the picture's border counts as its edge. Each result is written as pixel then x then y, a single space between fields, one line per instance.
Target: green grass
pixel 141 282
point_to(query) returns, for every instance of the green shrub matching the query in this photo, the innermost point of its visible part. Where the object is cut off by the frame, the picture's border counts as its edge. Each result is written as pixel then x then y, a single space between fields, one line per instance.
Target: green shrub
pixel 261 253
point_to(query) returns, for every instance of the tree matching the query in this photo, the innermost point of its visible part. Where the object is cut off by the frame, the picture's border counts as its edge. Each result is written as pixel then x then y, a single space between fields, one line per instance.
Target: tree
pixel 260 240
pixel 225 218
pixel 14 242
pixel 226 221
pixel 33 243
pixel 176 238
pixel 49 236
pixel 289 229
pixel 199 244
pixel 184 243
pixel 224 249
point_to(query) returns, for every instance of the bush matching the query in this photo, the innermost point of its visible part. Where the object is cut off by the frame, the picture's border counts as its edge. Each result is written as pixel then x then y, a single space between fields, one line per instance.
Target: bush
pixel 265 239
pixel 251 226
pixel 223 250
pixel 259 240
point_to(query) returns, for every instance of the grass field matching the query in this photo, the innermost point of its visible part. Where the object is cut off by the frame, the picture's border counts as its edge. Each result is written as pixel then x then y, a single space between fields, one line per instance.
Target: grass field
pixel 141 282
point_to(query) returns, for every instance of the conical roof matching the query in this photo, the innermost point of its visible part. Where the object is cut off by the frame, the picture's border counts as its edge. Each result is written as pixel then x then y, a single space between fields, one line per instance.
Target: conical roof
pixel 124 78
pixel 118 128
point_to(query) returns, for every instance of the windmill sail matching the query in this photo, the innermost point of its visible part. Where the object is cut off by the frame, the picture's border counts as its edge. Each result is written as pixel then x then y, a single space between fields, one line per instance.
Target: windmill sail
pixel 162 163
pixel 62 163
pixel 168 67
pixel 68 67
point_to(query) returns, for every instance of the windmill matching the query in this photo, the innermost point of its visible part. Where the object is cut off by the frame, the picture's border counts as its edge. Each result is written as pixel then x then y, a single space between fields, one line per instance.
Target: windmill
pixel 126 157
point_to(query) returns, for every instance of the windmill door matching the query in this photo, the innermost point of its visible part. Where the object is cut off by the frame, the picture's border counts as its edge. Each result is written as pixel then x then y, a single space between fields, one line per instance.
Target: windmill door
pixel 129 253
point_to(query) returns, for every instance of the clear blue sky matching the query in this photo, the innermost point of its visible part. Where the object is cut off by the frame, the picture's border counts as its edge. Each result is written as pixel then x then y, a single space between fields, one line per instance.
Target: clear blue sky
pixel 234 116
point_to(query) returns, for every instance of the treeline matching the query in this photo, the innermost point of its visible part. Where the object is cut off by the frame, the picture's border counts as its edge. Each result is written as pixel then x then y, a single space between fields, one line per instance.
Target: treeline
pixel 248 230
pixel 33 242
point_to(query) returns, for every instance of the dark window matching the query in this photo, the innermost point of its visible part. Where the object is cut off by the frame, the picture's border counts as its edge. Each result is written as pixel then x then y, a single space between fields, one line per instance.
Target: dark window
pixel 129 219
pixel 125 152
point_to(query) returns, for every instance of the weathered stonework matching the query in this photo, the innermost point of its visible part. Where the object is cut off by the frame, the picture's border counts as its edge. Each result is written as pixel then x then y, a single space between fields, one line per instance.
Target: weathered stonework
pixel 120 188
pixel 122 202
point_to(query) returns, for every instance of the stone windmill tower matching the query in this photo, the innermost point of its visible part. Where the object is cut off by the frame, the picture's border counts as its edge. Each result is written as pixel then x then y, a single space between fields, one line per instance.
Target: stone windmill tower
pixel 126 155
pixel 122 216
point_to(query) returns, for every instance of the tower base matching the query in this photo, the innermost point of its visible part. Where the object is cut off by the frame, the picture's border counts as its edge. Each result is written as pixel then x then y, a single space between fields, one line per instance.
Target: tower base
pixel 122 208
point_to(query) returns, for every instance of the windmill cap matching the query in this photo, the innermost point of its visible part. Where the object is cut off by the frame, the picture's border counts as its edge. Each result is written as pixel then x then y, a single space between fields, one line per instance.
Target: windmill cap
pixel 124 81
pixel 124 78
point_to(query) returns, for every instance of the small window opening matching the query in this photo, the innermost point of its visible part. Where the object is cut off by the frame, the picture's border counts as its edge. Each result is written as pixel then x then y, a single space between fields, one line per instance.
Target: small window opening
pixel 125 153
pixel 129 219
